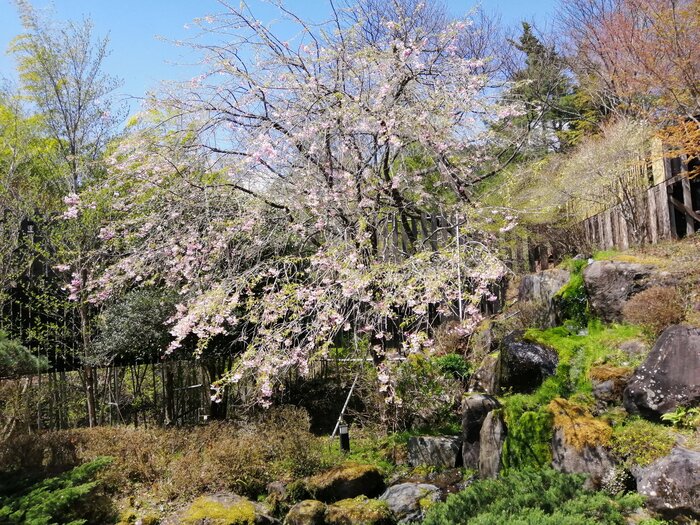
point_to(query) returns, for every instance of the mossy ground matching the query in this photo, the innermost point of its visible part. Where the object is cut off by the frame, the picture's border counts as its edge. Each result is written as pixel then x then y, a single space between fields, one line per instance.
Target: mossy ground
pixel 205 510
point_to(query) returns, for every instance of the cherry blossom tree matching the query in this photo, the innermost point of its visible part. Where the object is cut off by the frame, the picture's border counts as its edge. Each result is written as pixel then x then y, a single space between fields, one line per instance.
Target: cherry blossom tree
pixel 280 191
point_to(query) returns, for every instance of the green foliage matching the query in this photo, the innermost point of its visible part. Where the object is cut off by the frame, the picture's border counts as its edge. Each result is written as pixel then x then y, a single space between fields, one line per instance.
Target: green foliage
pixel 134 326
pixel 16 360
pixel 683 417
pixel 429 390
pixel 67 498
pixel 640 442
pixel 453 365
pixel 542 497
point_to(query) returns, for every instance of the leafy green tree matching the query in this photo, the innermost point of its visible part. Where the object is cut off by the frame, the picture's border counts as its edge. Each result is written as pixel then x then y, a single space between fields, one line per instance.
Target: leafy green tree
pixel 61 71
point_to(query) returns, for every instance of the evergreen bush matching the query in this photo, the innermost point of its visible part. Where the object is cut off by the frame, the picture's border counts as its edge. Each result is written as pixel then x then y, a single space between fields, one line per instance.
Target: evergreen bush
pixel 69 499
pixel 532 497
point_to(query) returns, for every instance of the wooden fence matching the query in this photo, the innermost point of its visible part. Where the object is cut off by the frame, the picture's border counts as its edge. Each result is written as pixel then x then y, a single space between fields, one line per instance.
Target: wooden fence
pixel 664 211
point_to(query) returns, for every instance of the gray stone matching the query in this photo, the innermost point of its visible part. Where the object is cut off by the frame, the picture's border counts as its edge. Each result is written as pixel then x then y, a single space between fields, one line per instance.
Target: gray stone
pixel 491 438
pixel 610 284
pixel 594 461
pixel 672 485
pixel 475 408
pixel 634 348
pixel 524 366
pixel 404 500
pixel 434 451
pixel 485 379
pixel 307 512
pixel 541 287
pixel 668 378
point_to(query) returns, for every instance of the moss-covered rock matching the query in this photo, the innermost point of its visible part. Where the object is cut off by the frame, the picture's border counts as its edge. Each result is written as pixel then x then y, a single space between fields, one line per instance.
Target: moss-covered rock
pixel 225 509
pixel 359 511
pixel 307 512
pixel 346 481
pixel 579 427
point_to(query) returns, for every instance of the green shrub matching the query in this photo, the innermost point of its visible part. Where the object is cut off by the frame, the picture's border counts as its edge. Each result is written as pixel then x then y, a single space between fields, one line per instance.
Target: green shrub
pixel 533 497
pixel 453 365
pixel 427 396
pixel 69 498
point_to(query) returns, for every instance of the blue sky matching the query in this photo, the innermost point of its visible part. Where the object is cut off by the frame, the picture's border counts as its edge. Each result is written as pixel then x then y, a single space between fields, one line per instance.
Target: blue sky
pixel 142 60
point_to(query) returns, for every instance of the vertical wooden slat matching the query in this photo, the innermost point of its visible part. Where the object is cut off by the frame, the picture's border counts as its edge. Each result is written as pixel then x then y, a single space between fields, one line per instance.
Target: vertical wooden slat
pixel 663 213
pixel 624 233
pixel 652 229
pixel 688 201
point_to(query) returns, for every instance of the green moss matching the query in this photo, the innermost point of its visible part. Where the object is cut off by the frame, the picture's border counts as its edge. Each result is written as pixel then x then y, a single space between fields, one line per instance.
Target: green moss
pixel 578 352
pixel 206 510
pixel 572 300
pixel 528 417
pixel 640 442
pixel 529 426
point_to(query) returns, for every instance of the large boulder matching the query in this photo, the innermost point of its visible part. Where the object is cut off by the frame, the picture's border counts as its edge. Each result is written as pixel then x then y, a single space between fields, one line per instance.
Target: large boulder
pixel 609 284
pixel 475 408
pixel 523 366
pixel 491 438
pixel 485 379
pixel 224 508
pixel 672 485
pixel 434 451
pixel 668 378
pixel 408 501
pixel 346 481
pixel 307 512
pixel 595 461
pixel 359 511
pixel 542 287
